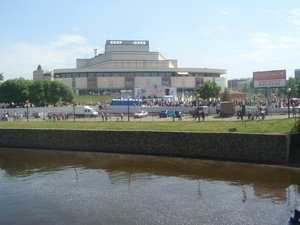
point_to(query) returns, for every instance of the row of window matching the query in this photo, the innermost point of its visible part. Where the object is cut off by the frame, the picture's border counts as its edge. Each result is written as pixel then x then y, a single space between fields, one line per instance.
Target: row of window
pixel 119 42
pixel 115 74
pixel 129 74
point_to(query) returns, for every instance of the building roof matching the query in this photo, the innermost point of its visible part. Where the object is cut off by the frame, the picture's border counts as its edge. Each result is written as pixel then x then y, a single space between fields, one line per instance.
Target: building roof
pixel 132 56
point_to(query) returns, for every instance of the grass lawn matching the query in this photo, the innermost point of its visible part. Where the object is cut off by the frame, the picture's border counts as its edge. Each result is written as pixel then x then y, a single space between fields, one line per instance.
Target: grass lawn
pixel 256 126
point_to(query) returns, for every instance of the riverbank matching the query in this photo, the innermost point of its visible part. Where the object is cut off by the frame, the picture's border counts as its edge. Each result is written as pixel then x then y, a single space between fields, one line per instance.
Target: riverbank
pixel 259 148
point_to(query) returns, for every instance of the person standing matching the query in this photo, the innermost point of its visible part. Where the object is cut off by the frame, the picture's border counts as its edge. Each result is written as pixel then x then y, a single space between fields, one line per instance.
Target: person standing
pixel 202 115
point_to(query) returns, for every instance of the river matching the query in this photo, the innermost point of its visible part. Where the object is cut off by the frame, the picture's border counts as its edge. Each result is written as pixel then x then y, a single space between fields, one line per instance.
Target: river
pixel 63 187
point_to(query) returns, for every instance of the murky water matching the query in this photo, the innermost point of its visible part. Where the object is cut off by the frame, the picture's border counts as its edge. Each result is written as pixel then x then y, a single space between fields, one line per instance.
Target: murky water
pixel 55 187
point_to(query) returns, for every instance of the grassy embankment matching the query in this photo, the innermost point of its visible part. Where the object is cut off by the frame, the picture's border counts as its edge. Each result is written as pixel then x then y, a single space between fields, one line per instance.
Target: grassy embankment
pixel 259 126
pixel 256 126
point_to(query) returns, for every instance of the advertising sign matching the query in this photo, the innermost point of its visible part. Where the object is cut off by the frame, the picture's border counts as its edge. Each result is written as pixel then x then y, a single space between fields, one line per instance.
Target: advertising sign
pixel 269 79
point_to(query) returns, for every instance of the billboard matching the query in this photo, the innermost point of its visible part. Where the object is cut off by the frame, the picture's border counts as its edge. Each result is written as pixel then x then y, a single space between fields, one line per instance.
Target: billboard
pixel 269 79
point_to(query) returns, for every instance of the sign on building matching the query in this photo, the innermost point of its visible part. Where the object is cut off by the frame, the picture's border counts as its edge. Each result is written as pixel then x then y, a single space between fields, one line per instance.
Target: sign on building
pixel 269 79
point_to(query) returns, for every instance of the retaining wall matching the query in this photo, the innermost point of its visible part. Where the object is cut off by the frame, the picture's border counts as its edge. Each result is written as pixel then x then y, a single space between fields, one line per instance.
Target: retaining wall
pixel 273 148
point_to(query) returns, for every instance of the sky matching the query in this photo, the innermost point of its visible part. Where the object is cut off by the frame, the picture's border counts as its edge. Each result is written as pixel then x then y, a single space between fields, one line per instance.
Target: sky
pixel 240 36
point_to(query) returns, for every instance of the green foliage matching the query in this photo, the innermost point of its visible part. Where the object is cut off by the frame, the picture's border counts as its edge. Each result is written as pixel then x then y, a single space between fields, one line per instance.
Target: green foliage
pixel 15 90
pixel 298 89
pixel 294 86
pixel 209 90
pixel 225 96
pixel 39 93
pixel 1 77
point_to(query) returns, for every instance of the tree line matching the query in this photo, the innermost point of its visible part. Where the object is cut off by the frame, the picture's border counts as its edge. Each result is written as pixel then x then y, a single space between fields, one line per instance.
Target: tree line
pixel 39 93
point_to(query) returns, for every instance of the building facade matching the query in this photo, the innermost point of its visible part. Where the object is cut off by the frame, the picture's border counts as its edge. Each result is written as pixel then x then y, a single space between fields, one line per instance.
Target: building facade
pixel 238 84
pixel 130 65
pixel 297 75
pixel 40 74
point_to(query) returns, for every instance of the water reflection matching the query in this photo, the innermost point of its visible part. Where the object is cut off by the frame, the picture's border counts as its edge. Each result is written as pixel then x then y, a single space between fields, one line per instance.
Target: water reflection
pixel 268 181
pixel 172 183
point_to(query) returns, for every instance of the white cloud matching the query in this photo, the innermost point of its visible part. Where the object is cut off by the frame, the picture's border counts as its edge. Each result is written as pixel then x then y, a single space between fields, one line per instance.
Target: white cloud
pixel 20 59
pixel 267 42
pixel 295 12
pixel 261 40
pixel 221 28
pixel 290 16
pixel 67 40
pixel 294 16
pixel 265 52
pixel 297 22
pixel 223 12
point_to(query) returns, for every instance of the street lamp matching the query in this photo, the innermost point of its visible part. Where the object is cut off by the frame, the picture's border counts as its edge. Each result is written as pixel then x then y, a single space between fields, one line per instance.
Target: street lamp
pixel 128 109
pixel 27 104
pixel 74 110
pixel 289 95
pixel 198 106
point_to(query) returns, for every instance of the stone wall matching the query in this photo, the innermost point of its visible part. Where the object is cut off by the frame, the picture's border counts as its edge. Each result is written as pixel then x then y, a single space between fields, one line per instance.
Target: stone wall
pixel 273 148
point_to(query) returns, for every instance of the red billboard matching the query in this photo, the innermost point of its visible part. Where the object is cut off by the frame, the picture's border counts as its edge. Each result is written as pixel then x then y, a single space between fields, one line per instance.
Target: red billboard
pixel 269 79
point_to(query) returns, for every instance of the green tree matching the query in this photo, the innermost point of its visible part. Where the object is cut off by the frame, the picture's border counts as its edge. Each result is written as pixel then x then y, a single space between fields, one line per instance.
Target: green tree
pixel 1 77
pixel 59 92
pixel 209 90
pixel 291 83
pixel 67 93
pixel 15 91
pixel 54 94
pixel 37 93
pixel 225 96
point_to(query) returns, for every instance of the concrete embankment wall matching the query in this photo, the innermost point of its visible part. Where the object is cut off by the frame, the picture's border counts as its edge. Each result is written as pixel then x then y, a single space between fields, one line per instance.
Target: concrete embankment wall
pixel 273 148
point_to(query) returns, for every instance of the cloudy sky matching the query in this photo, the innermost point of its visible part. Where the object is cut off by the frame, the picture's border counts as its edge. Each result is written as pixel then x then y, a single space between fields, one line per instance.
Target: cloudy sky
pixel 236 35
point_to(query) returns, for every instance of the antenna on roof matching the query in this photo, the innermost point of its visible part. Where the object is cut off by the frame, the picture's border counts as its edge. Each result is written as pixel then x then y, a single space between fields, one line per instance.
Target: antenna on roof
pixel 95 51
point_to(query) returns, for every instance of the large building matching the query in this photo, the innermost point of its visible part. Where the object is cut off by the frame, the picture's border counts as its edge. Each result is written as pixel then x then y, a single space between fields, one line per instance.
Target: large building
pixel 297 75
pixel 40 74
pixel 129 65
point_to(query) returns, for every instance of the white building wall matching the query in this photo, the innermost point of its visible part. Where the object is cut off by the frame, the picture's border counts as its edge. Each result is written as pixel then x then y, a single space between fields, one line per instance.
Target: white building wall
pixel 135 56
pixel 67 81
pixel 208 79
pixel 81 82
pixel 146 81
pixel 221 81
pixel 38 75
pixel 183 82
pixel 111 82
pixel 120 56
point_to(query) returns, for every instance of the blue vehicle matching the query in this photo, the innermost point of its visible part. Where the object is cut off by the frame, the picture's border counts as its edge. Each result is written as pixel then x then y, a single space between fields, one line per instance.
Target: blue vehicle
pixel 165 113
pixel 126 102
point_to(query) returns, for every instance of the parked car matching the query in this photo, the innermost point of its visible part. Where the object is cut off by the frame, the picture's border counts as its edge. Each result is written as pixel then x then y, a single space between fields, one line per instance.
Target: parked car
pixel 165 113
pixel 140 114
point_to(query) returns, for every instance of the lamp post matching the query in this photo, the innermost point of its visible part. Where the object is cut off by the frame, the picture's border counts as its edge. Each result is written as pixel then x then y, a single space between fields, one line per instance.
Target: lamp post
pixel 27 104
pixel 128 108
pixel 74 110
pixel 198 106
pixel 289 94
